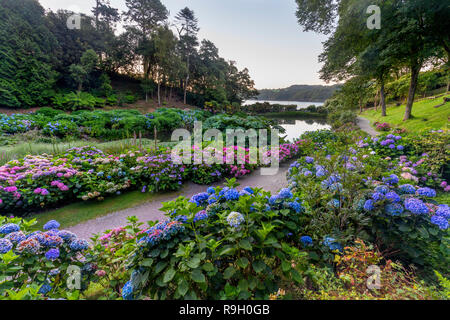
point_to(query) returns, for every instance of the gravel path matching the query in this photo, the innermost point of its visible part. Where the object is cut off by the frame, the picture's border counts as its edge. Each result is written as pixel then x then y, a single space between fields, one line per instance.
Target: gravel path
pixel 150 211
pixel 364 124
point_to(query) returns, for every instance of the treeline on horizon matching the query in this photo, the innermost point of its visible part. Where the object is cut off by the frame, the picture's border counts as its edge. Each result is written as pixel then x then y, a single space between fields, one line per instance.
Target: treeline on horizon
pixel 308 93
pixel 44 62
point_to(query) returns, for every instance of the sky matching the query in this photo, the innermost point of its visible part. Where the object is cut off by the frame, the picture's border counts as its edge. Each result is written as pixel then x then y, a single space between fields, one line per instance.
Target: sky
pixel 262 35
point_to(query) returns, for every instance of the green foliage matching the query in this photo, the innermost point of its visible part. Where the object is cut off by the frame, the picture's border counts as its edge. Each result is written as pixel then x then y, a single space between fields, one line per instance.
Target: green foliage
pixel 25 269
pixel 209 259
pixel 77 101
pixel 25 54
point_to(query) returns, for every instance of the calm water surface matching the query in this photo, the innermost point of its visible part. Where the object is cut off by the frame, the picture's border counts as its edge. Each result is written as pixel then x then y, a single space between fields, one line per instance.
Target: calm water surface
pixel 296 127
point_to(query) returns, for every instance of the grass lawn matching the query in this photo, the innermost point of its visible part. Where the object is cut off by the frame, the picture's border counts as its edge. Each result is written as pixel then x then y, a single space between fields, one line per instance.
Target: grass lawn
pixel 425 116
pixel 78 212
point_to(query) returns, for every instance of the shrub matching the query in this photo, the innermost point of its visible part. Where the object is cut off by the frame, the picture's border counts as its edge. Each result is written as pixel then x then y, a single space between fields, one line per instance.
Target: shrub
pixel 76 101
pixel 61 128
pixel 39 259
pixel 231 249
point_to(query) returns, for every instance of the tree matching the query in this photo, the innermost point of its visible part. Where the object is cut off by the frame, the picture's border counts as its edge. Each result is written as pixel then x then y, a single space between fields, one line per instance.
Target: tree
pixel 105 14
pixel 144 17
pixel 80 72
pixel 410 34
pixel 26 55
pixel 239 85
pixel 187 31
pixel 165 43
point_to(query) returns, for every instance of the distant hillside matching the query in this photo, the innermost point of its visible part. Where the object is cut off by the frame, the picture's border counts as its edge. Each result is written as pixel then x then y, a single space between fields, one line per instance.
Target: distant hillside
pixel 299 93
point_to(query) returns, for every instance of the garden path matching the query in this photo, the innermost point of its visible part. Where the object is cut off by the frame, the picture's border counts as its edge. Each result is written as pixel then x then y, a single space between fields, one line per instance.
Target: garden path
pixel 150 211
pixel 364 124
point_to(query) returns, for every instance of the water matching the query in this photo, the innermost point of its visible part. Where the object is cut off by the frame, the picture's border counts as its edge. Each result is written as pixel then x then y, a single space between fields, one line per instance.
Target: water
pixel 296 127
pixel 300 104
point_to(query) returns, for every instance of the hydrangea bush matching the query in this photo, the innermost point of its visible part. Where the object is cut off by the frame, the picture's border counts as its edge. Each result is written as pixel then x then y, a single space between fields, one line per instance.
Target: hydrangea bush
pixel 221 244
pixel 38 259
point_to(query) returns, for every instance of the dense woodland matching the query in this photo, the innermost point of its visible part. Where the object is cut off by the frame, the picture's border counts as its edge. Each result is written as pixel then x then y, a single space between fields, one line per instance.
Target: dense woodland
pixel 299 93
pixel 43 62
pixel 413 37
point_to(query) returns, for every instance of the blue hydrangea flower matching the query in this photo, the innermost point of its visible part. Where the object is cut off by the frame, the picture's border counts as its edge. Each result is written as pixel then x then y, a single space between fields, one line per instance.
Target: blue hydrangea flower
pixel 416 206
pixel 67 236
pixel 309 159
pixel 199 199
pixel 212 200
pixel 235 219
pixel 394 209
pixel 45 288
pixel 210 190
pixel 393 197
pixel 400 147
pixel 368 205
pixel 232 195
pixel 382 189
pixel 297 207
pixel 320 172
pixel 127 291
pixel 406 189
pixel 8 228
pixel 392 179
pixel 285 194
pixel 79 245
pixel 249 190
pixel 5 246
pixel 443 210
pixel 16 237
pixel 332 244
pixel 199 216
pixel 426 192
pixel 52 254
pixel 440 221
pixel 273 200
pixel 52 224
pixel 377 196
pixel 306 241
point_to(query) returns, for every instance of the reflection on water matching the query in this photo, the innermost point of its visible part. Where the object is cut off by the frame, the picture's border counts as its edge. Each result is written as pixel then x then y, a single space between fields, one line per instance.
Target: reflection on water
pixel 295 128
pixel 300 104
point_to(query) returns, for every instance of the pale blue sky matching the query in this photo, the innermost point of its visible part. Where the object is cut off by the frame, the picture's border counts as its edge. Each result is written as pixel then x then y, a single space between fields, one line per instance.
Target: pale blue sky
pixel 262 35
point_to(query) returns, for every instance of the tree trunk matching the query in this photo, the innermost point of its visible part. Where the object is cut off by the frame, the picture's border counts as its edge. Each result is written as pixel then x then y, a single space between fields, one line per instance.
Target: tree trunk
pixel 187 80
pixel 415 69
pixel 383 100
pixel 375 101
pixel 159 94
pixel 360 107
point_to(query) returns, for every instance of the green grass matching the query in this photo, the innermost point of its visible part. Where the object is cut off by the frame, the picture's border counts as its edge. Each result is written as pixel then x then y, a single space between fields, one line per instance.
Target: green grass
pixel 79 212
pixel 21 149
pixel 443 197
pixel 425 116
